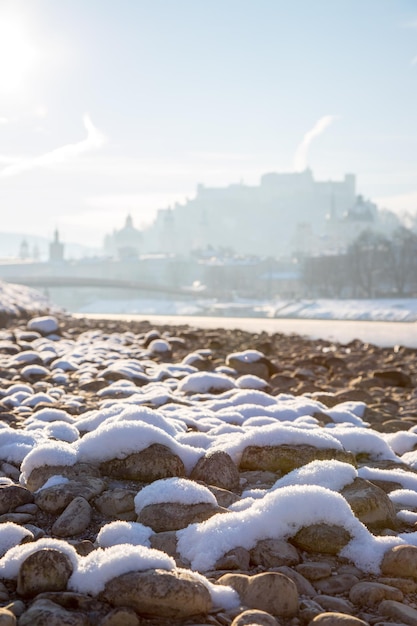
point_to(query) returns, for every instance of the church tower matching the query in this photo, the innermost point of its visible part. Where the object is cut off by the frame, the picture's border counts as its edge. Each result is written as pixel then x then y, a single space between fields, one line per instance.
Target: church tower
pixel 56 248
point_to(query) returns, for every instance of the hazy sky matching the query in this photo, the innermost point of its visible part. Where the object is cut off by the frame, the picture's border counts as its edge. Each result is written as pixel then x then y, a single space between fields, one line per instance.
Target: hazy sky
pixel 116 106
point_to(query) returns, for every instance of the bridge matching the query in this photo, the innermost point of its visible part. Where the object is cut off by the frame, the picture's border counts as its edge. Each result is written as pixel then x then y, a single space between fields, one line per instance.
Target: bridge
pixel 114 283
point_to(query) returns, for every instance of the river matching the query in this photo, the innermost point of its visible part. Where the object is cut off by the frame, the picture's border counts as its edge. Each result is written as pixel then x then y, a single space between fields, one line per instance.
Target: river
pixel 385 334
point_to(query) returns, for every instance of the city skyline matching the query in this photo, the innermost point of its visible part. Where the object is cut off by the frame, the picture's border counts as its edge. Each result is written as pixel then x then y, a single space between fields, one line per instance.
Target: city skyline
pixel 112 109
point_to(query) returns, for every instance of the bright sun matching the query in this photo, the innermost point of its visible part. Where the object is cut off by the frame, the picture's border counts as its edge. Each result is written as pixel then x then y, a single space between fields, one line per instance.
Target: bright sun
pixel 17 56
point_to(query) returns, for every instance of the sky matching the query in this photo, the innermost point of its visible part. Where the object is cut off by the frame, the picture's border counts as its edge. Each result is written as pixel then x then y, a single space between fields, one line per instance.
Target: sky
pixel 109 108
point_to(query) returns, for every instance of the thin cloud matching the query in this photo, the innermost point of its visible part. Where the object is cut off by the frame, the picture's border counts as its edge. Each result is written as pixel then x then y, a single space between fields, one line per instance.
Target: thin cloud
pixel 300 157
pixel 414 61
pixel 95 139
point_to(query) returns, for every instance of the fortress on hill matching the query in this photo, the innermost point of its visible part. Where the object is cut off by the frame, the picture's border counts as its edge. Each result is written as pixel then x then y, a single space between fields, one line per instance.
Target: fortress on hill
pixel 286 214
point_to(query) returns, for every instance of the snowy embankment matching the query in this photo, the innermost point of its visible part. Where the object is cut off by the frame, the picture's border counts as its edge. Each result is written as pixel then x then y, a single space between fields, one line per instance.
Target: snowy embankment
pixel 19 301
pixel 388 310
pixel 170 474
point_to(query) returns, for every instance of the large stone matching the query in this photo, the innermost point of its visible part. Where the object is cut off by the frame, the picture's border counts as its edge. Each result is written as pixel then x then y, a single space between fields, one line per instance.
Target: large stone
pixel 255 617
pixel 217 468
pixel 118 503
pixel 393 377
pixel 45 570
pixel 162 593
pixel 370 504
pixel 54 499
pixel 272 592
pixel 7 618
pixel 285 458
pixel 396 610
pixel 324 538
pixel 122 616
pixel 336 619
pixel 333 585
pixel 237 558
pixel 314 570
pixel 165 516
pixel 40 475
pixel 12 496
pixel 304 586
pixel 155 462
pixel 43 612
pixel 74 519
pixel 369 593
pixel 273 553
pixel 400 561
pixel 167 542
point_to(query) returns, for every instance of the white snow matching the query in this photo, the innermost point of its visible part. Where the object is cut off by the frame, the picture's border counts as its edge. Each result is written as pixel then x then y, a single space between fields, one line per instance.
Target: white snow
pixel 116 533
pixel 178 490
pixel 193 413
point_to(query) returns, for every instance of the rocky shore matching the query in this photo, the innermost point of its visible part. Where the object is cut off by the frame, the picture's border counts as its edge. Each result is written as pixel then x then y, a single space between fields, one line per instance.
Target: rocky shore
pixel 169 475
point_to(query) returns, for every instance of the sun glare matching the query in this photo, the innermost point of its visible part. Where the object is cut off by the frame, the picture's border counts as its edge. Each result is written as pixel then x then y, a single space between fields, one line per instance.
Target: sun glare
pixel 17 56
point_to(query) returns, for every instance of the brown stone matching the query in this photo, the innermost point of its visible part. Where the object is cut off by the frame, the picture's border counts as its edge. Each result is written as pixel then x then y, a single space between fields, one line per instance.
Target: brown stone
pixel 165 516
pixel 162 593
pixel 273 553
pixel 370 504
pixel 13 496
pixel 217 468
pixel 155 462
pixel 399 611
pixel 324 538
pixel 336 619
pixel 45 570
pixel 285 458
pixel 400 561
pixel 74 519
pixel 44 612
pixel 255 617
pixel 371 593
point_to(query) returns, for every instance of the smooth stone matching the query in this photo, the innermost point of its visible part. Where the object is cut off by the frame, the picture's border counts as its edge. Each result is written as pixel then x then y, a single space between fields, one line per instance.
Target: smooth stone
pixel 400 611
pixel 274 553
pixel 336 619
pixel 341 583
pixel 40 475
pixel 218 469
pixel 285 458
pixel 238 558
pixel 167 542
pixel 272 592
pixel 45 570
pixel 304 587
pixel 371 593
pixel 122 616
pixel 46 613
pixel 118 503
pixel 13 496
pixel 370 504
pixel 256 617
pixel 75 518
pixel 155 462
pixel 162 593
pixel 7 618
pixel 314 570
pixel 333 603
pixel 400 561
pixel 165 516
pixel 56 498
pixel 406 585
pixel 323 538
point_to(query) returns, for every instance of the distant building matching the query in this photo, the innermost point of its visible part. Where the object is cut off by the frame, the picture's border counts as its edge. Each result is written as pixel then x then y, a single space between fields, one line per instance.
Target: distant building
pixel 273 218
pixel 124 243
pixel 56 249
pixel 24 250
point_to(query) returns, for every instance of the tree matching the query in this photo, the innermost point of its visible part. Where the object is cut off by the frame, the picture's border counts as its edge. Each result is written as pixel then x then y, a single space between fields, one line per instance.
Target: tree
pixel 367 263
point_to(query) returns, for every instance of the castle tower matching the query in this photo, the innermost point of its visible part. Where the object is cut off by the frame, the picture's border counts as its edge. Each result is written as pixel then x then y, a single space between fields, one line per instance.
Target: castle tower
pixel 56 248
